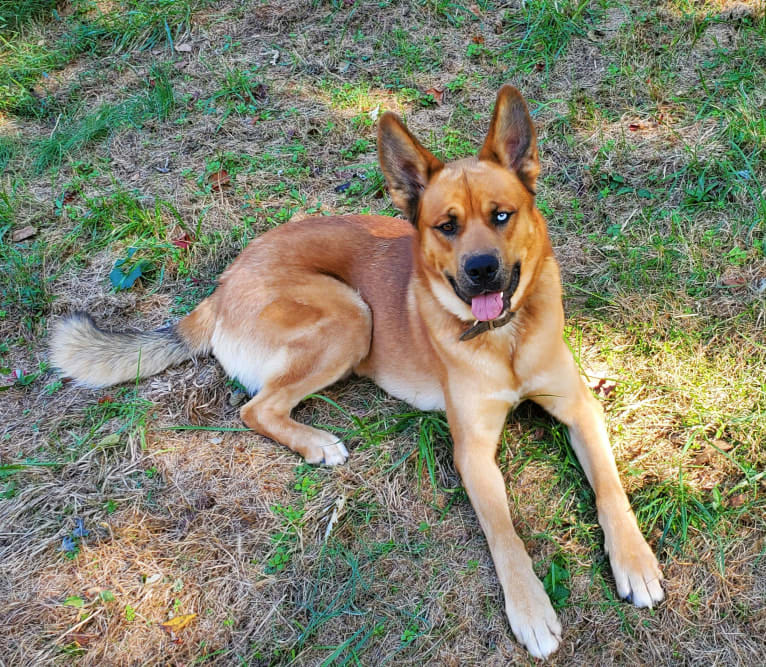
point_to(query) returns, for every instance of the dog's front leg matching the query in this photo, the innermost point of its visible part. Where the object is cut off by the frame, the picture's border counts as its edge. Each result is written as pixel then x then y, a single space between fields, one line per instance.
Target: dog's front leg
pixel 476 431
pixel 565 395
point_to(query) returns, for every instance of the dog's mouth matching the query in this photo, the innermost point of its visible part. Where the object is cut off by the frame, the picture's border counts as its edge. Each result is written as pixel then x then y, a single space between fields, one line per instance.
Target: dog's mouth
pixel 488 306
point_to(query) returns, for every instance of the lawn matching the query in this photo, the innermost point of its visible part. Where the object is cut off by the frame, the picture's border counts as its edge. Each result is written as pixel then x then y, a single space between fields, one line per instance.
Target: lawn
pixel 143 143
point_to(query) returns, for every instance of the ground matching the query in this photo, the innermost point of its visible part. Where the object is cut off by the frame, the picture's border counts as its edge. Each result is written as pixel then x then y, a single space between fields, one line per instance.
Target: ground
pixel 145 142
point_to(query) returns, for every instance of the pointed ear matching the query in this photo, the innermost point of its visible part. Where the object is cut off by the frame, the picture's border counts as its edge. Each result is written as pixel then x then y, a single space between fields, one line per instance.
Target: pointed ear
pixel 512 141
pixel 406 165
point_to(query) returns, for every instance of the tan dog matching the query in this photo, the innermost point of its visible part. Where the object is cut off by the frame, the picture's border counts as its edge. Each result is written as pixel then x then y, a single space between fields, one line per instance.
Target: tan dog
pixel 458 310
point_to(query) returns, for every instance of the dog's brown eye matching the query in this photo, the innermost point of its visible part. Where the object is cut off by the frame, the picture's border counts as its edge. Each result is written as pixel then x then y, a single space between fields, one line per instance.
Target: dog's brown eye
pixel 501 217
pixel 448 228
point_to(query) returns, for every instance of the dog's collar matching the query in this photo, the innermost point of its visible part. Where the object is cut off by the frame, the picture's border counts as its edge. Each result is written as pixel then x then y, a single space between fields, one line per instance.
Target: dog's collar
pixel 481 326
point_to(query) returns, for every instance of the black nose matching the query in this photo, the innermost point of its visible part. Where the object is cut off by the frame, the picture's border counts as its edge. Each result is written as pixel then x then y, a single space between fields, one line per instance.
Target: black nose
pixel 481 269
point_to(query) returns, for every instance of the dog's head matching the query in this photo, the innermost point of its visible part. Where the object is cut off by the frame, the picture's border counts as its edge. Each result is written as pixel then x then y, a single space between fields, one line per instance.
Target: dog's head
pixel 482 239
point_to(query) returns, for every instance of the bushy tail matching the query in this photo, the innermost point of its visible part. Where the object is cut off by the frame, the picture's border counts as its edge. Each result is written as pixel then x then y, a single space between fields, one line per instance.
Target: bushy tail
pixel 98 358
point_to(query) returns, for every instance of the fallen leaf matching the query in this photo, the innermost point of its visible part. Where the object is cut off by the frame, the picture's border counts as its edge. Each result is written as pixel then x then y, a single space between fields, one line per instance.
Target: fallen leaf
pixel 343 187
pixel 68 545
pixel 79 528
pixel 723 445
pixel 178 623
pixel 219 179
pixel 437 94
pixel 109 440
pixel 602 386
pixel 69 196
pixel 183 242
pixel 105 399
pixel 738 500
pixel 184 48
pixel 733 281
pixel 82 638
pixel 478 39
pixel 23 234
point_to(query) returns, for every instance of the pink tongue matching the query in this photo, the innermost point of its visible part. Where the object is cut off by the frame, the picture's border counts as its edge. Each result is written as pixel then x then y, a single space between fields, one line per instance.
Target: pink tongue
pixel 487 306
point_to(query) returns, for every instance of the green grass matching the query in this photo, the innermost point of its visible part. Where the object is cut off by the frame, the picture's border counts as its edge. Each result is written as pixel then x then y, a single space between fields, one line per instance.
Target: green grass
pixel 541 33
pixel 30 65
pixel 76 132
pixel 13 14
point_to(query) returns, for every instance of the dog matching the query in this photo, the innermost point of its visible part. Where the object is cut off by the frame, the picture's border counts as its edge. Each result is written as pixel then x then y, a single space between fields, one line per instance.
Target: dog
pixel 458 308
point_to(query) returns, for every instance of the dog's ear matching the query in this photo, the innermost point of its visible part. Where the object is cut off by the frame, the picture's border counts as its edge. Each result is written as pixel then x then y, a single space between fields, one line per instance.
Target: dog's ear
pixel 406 165
pixel 512 141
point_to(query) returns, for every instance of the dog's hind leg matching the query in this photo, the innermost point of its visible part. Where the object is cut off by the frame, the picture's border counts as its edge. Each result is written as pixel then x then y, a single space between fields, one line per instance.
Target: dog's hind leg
pixel 323 337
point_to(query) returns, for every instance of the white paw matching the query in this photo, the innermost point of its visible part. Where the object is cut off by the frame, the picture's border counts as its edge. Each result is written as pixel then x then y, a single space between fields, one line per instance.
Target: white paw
pixel 334 454
pixel 637 574
pixel 533 620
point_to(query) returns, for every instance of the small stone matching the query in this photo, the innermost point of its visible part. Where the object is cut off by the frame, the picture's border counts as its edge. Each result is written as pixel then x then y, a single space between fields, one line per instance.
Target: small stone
pixel 23 234
pixel 236 398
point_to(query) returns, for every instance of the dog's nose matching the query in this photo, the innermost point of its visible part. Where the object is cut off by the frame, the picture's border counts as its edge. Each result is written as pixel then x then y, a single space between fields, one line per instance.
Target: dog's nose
pixel 481 269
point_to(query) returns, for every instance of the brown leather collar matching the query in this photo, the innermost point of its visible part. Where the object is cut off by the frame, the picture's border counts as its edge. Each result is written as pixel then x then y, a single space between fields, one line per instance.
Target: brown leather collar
pixel 480 327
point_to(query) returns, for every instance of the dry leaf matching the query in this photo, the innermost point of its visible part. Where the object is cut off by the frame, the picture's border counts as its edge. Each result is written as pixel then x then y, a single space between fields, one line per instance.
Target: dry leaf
pixel 602 386
pixel 183 242
pixel 733 281
pixel 178 623
pixel 219 179
pixel 184 48
pixel 738 500
pixel 69 196
pixel 82 638
pixel 478 39
pixel 723 445
pixel 23 234
pixel 437 94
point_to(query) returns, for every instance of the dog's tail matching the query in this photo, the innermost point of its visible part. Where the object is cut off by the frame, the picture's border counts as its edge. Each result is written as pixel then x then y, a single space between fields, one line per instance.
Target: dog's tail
pixel 98 358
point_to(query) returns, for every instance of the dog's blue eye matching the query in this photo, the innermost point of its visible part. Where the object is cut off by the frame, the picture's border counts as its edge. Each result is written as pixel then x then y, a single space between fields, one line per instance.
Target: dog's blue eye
pixel 501 217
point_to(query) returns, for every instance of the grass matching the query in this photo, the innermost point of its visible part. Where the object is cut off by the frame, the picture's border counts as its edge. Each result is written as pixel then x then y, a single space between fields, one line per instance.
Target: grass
pixel 118 146
pixel 76 132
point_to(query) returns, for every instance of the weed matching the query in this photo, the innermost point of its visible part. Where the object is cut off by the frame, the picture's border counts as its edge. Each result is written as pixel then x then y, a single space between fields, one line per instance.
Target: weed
pixel 543 30
pixel 77 131
pixel 25 280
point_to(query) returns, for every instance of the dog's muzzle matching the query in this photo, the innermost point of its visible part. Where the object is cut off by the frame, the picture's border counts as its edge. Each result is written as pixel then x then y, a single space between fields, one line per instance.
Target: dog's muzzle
pixel 496 304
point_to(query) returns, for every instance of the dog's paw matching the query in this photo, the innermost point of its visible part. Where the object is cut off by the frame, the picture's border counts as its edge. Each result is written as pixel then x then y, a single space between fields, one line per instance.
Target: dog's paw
pixel 533 620
pixel 325 449
pixel 637 573
pixel 334 454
